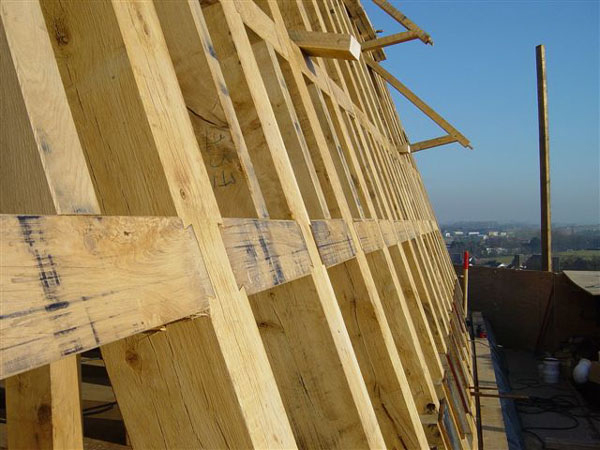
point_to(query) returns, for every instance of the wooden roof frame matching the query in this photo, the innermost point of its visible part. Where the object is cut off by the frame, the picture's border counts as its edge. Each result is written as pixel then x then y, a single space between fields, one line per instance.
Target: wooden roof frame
pixel 273 192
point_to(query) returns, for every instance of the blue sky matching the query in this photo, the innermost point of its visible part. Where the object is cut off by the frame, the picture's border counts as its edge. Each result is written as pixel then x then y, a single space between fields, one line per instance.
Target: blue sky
pixel 480 75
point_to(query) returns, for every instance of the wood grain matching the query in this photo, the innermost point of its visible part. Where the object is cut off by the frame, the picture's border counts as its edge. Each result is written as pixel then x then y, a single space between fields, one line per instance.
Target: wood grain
pixel 333 240
pixel 327 45
pixel 265 253
pixel 369 235
pixel 72 283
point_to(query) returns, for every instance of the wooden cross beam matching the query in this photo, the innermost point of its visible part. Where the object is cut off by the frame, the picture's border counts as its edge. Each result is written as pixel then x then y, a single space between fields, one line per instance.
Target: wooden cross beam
pixel 61 297
pixel 73 283
pixel 327 45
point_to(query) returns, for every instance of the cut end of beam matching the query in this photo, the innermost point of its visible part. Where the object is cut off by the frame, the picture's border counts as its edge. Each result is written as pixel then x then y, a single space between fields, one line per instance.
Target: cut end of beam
pixel 355 48
pixel 327 45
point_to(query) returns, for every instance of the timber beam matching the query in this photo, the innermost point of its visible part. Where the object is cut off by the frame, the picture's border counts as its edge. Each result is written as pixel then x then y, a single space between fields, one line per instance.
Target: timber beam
pixel 265 253
pixel 327 45
pixel 73 283
pixel 57 285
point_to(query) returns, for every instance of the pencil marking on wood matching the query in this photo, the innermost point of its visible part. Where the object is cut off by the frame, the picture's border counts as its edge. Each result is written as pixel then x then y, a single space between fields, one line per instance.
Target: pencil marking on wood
pixel 65 331
pixel 48 275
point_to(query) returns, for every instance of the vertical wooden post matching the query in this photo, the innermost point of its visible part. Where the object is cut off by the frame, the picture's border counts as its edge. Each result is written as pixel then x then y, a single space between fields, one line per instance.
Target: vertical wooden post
pixel 465 286
pixel 540 58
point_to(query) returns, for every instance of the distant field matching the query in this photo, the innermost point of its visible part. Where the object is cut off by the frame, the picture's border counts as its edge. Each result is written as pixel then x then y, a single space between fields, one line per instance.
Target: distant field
pixel 579 253
pixel 566 257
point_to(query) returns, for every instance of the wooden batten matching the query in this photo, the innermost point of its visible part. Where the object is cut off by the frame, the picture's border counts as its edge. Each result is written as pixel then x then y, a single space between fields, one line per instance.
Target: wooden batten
pixel 221 196
pixel 369 235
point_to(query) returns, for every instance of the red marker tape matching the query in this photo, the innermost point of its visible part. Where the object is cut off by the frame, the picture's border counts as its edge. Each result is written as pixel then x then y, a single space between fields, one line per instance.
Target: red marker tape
pixel 466 260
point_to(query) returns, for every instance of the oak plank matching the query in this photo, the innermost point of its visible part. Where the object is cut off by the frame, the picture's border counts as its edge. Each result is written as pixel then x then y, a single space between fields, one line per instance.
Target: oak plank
pixel 72 283
pixel 369 235
pixel 333 240
pixel 265 253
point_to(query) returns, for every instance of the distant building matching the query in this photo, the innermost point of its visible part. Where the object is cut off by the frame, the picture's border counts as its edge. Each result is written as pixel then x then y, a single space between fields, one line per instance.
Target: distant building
pixel 458 233
pixel 503 233
pixel 516 262
pixel 534 262
pixel 473 233
pixel 447 234
pixel 496 251
pixel 493 233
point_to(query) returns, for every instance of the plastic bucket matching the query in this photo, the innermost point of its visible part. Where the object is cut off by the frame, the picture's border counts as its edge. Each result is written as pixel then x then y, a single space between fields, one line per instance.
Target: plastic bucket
pixel 551 370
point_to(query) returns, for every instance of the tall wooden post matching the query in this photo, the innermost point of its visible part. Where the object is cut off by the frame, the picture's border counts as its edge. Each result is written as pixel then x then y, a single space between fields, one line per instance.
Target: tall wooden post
pixel 540 54
pixel 465 280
